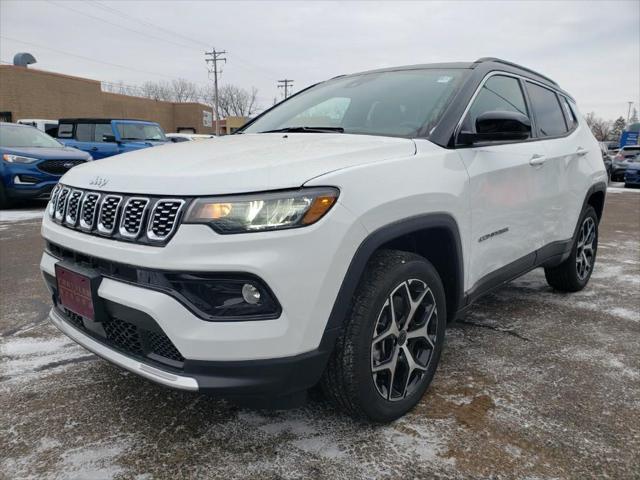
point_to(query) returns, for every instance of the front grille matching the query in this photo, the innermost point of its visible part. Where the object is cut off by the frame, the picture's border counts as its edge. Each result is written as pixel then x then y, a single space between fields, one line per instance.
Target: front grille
pixel 141 219
pixel 124 335
pixel 58 167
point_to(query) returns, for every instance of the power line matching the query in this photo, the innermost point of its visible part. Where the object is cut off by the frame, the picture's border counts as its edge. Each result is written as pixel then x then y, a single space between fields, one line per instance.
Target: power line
pixel 285 84
pixel 67 54
pixel 212 58
pixel 120 13
pixel 100 19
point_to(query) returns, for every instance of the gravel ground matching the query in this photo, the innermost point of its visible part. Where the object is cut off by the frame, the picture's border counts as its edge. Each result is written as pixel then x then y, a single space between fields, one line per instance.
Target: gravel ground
pixel 532 384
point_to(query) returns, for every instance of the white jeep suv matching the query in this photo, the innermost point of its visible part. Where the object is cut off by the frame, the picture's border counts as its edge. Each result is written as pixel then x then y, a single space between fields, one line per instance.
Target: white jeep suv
pixel 331 240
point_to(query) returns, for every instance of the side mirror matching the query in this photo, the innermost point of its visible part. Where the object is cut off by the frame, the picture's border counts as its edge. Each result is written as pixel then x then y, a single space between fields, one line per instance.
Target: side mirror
pixel 109 138
pixel 498 126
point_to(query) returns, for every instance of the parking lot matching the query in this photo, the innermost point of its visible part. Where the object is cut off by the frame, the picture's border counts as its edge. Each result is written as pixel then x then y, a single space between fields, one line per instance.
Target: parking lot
pixel 532 384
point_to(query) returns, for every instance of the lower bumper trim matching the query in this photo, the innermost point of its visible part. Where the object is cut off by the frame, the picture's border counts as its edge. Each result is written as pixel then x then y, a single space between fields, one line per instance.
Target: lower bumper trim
pixel 159 376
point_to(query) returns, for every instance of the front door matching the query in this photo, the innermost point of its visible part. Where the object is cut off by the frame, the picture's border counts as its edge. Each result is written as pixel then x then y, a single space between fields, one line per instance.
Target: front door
pixel 505 190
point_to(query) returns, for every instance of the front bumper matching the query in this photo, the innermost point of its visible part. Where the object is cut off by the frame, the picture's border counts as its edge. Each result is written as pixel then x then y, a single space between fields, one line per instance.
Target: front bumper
pixel 304 269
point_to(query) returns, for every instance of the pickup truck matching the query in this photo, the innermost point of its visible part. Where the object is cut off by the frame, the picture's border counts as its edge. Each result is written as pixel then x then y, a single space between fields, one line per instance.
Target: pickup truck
pixel 104 137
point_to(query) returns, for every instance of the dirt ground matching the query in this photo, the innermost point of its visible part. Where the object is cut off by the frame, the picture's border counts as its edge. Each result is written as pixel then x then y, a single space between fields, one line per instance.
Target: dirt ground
pixel 532 384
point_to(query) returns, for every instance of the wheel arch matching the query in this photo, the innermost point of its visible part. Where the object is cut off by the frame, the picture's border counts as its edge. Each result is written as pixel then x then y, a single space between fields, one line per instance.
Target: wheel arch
pixel 595 197
pixel 435 236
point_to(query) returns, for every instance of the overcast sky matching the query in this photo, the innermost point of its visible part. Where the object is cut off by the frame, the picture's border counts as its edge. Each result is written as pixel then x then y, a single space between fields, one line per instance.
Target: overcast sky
pixel 592 49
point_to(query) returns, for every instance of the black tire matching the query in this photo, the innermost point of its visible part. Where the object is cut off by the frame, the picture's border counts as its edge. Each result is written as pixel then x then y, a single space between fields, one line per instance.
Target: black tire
pixel 348 381
pixel 569 276
pixel 4 201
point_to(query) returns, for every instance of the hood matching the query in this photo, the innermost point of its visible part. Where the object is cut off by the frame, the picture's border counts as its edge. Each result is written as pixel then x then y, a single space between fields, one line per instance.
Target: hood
pixel 237 163
pixel 61 153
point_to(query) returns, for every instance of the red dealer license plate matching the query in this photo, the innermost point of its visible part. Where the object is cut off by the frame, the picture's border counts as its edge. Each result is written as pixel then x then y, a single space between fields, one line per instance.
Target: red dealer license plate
pixel 75 293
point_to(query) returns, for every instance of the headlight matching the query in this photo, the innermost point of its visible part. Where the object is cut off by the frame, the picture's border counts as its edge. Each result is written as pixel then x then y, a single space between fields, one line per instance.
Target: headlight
pixel 261 212
pixel 18 159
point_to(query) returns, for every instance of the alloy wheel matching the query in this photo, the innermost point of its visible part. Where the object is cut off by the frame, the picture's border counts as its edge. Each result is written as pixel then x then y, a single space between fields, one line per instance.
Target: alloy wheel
pixel 404 340
pixel 585 253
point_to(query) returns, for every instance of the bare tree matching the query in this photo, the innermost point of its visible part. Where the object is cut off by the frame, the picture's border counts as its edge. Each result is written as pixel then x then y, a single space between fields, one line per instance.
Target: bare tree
pixel 183 91
pixel 600 128
pixel 234 101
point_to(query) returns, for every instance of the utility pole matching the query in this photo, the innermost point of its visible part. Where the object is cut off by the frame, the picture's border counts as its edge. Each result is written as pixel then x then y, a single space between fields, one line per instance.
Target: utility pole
pixel 212 58
pixel 285 84
pixel 629 112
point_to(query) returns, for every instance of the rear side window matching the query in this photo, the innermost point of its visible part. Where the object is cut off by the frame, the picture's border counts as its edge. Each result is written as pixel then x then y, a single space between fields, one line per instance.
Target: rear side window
pixel 65 130
pixel 569 114
pixel 84 132
pixel 499 93
pixel 545 105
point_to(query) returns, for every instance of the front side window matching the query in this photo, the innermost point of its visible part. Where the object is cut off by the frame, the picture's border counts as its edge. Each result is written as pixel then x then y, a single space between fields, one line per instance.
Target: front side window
pixel 403 103
pixel 101 130
pixel 499 93
pixel 569 114
pixel 19 137
pixel 545 105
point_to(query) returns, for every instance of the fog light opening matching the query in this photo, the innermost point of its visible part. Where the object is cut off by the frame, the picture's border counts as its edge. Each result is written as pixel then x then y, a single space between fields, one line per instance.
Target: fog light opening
pixel 250 294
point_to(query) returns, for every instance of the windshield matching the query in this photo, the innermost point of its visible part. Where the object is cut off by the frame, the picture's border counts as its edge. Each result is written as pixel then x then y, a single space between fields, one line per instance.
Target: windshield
pixel 14 136
pixel 140 131
pixel 404 103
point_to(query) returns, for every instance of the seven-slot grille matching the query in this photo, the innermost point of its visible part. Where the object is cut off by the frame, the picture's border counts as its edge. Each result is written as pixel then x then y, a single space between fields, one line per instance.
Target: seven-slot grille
pixel 134 218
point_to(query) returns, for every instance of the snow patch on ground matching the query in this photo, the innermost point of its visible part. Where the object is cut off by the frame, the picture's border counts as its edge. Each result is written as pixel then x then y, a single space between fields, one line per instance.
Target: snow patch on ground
pixel 20 215
pixel 622 190
pixel 23 357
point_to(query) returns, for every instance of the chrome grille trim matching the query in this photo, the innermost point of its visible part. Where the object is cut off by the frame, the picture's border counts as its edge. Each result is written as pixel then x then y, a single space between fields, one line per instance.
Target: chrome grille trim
pixel 165 210
pixel 73 207
pixel 61 203
pixel 133 213
pixel 143 219
pixel 108 214
pixel 89 209
pixel 51 208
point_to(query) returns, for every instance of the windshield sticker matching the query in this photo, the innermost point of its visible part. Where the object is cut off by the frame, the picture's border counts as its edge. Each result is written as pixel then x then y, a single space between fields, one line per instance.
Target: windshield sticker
pixel 445 79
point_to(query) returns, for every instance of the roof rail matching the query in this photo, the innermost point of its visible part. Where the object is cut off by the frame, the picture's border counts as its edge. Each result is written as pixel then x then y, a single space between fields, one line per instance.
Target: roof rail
pixel 511 64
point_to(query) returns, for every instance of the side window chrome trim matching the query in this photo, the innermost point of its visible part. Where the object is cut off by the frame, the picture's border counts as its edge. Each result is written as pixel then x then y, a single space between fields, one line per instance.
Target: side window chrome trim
pixel 522 80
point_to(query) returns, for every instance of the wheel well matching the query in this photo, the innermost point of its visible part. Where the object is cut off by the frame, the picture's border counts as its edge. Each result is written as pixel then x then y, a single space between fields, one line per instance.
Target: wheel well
pixel 596 200
pixel 439 246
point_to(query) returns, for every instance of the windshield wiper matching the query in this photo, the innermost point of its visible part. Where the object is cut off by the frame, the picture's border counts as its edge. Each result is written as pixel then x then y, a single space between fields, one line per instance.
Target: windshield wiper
pixel 307 130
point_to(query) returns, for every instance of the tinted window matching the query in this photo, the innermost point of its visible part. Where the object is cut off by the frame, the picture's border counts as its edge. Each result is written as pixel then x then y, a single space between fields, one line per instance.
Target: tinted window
pixel 101 130
pixel 84 132
pixel 497 94
pixel 65 130
pixel 393 103
pixel 51 129
pixel 140 131
pixel 569 114
pixel 549 117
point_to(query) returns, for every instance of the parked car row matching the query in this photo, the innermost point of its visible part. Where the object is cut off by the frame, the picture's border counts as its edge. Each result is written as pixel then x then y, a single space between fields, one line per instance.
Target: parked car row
pixel 33 160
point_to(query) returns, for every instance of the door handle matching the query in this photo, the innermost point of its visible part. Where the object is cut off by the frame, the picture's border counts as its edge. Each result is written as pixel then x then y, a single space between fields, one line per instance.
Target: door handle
pixel 537 160
pixel 94 149
pixel 581 152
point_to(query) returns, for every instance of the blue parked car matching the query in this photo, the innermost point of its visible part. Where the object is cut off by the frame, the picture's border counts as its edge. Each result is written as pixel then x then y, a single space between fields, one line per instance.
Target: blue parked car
pixel 632 174
pixel 32 163
pixel 106 137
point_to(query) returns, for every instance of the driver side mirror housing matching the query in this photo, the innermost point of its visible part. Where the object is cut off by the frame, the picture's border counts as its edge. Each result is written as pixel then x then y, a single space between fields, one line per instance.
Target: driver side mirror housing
pixel 498 126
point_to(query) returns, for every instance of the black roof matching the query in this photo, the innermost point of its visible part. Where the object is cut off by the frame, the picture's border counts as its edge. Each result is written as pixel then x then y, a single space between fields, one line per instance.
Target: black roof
pixel 490 63
pixel 102 120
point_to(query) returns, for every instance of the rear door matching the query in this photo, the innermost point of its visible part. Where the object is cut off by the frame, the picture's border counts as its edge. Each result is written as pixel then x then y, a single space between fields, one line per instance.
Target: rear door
pixel 90 138
pixel 506 188
pixel 565 174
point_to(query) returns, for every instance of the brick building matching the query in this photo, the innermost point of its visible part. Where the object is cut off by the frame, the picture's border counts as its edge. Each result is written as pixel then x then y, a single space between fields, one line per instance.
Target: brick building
pixel 30 93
